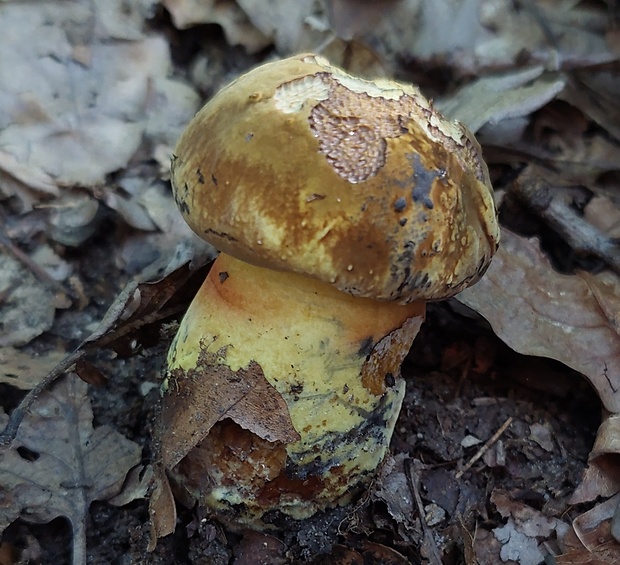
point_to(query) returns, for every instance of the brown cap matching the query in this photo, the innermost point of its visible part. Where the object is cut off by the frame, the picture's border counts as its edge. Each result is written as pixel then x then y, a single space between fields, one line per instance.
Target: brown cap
pixel 300 166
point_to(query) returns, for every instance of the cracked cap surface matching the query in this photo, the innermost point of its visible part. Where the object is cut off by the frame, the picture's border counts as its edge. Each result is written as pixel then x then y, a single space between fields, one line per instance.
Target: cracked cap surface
pixel 299 166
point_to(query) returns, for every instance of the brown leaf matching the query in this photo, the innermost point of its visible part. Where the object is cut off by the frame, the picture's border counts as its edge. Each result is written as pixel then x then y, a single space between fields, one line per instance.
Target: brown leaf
pixel 590 541
pixel 601 478
pixel 527 520
pixel 212 392
pixel 537 311
pixel 83 107
pixel 26 304
pixel 237 28
pixel 23 370
pixel 141 305
pixel 162 509
pixel 89 373
pixel 58 464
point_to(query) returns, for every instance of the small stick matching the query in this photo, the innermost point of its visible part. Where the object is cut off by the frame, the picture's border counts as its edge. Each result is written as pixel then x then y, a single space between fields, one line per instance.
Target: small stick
pixel 412 481
pixel 485 447
pixel 7 435
pixel 10 430
pixel 36 270
pixel 539 196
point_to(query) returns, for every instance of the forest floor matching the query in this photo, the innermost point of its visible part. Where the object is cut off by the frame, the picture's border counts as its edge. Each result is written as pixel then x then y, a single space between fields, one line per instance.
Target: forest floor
pixel 505 449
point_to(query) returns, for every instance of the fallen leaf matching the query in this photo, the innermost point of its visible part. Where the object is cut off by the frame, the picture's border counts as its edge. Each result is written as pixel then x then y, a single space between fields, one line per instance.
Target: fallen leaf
pixel 77 104
pixel 601 478
pixel 58 463
pixel 542 434
pixel 140 309
pixel 491 99
pixel 516 546
pixel 24 370
pixel 392 488
pixel 283 22
pixel 590 542
pixel 527 520
pixel 162 508
pixel 379 553
pixel 602 213
pixel 245 396
pixel 226 13
pixel 26 304
pixel 537 311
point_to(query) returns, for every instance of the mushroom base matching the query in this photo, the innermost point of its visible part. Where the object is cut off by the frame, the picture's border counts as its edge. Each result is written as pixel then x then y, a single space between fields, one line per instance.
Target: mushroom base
pixel 282 393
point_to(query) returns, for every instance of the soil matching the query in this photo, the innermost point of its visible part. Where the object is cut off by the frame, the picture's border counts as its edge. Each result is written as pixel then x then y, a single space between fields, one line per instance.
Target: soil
pixel 461 381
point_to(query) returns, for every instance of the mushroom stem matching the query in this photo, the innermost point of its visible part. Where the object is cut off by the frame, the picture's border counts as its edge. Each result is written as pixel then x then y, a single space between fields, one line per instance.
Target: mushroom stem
pixel 334 359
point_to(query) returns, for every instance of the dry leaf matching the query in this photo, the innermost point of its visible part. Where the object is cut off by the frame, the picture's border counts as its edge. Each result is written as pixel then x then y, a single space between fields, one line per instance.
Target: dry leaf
pixel 162 508
pixel 226 13
pixel 379 553
pixel 392 488
pixel 76 103
pixel 527 520
pixel 602 213
pixel 24 370
pixel 283 22
pixel 26 304
pixel 257 548
pixel 590 541
pixel 244 396
pixel 494 34
pixel 492 99
pixel 58 464
pixel 537 311
pixel 601 478
pixel 141 306
pixel 516 546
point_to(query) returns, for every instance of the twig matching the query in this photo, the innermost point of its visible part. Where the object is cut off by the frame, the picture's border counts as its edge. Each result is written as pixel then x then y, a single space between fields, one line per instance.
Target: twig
pixel 485 447
pixel 111 328
pixel 412 480
pixel 36 270
pixel 581 235
pixel 7 435
pixel 10 430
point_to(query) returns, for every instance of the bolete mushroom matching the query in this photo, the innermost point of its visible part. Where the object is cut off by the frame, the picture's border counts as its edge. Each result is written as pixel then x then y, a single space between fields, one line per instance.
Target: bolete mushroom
pixel 340 207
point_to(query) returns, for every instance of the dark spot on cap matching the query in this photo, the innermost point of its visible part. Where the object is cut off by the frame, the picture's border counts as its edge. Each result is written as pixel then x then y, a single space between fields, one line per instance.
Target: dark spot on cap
pixel 249 136
pixel 400 204
pixel 297 388
pixel 314 197
pixel 422 181
pixel 180 200
pixel 222 235
pixel 214 180
pixel 201 178
pixel 366 347
pixel 390 381
pixel 223 276
pixel 402 221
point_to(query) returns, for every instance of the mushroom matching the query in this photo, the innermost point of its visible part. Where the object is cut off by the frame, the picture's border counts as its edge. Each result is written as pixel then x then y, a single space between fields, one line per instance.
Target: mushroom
pixel 340 207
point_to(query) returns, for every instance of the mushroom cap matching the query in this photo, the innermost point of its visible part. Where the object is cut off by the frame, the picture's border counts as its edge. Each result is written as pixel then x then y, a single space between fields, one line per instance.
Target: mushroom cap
pixel 299 166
